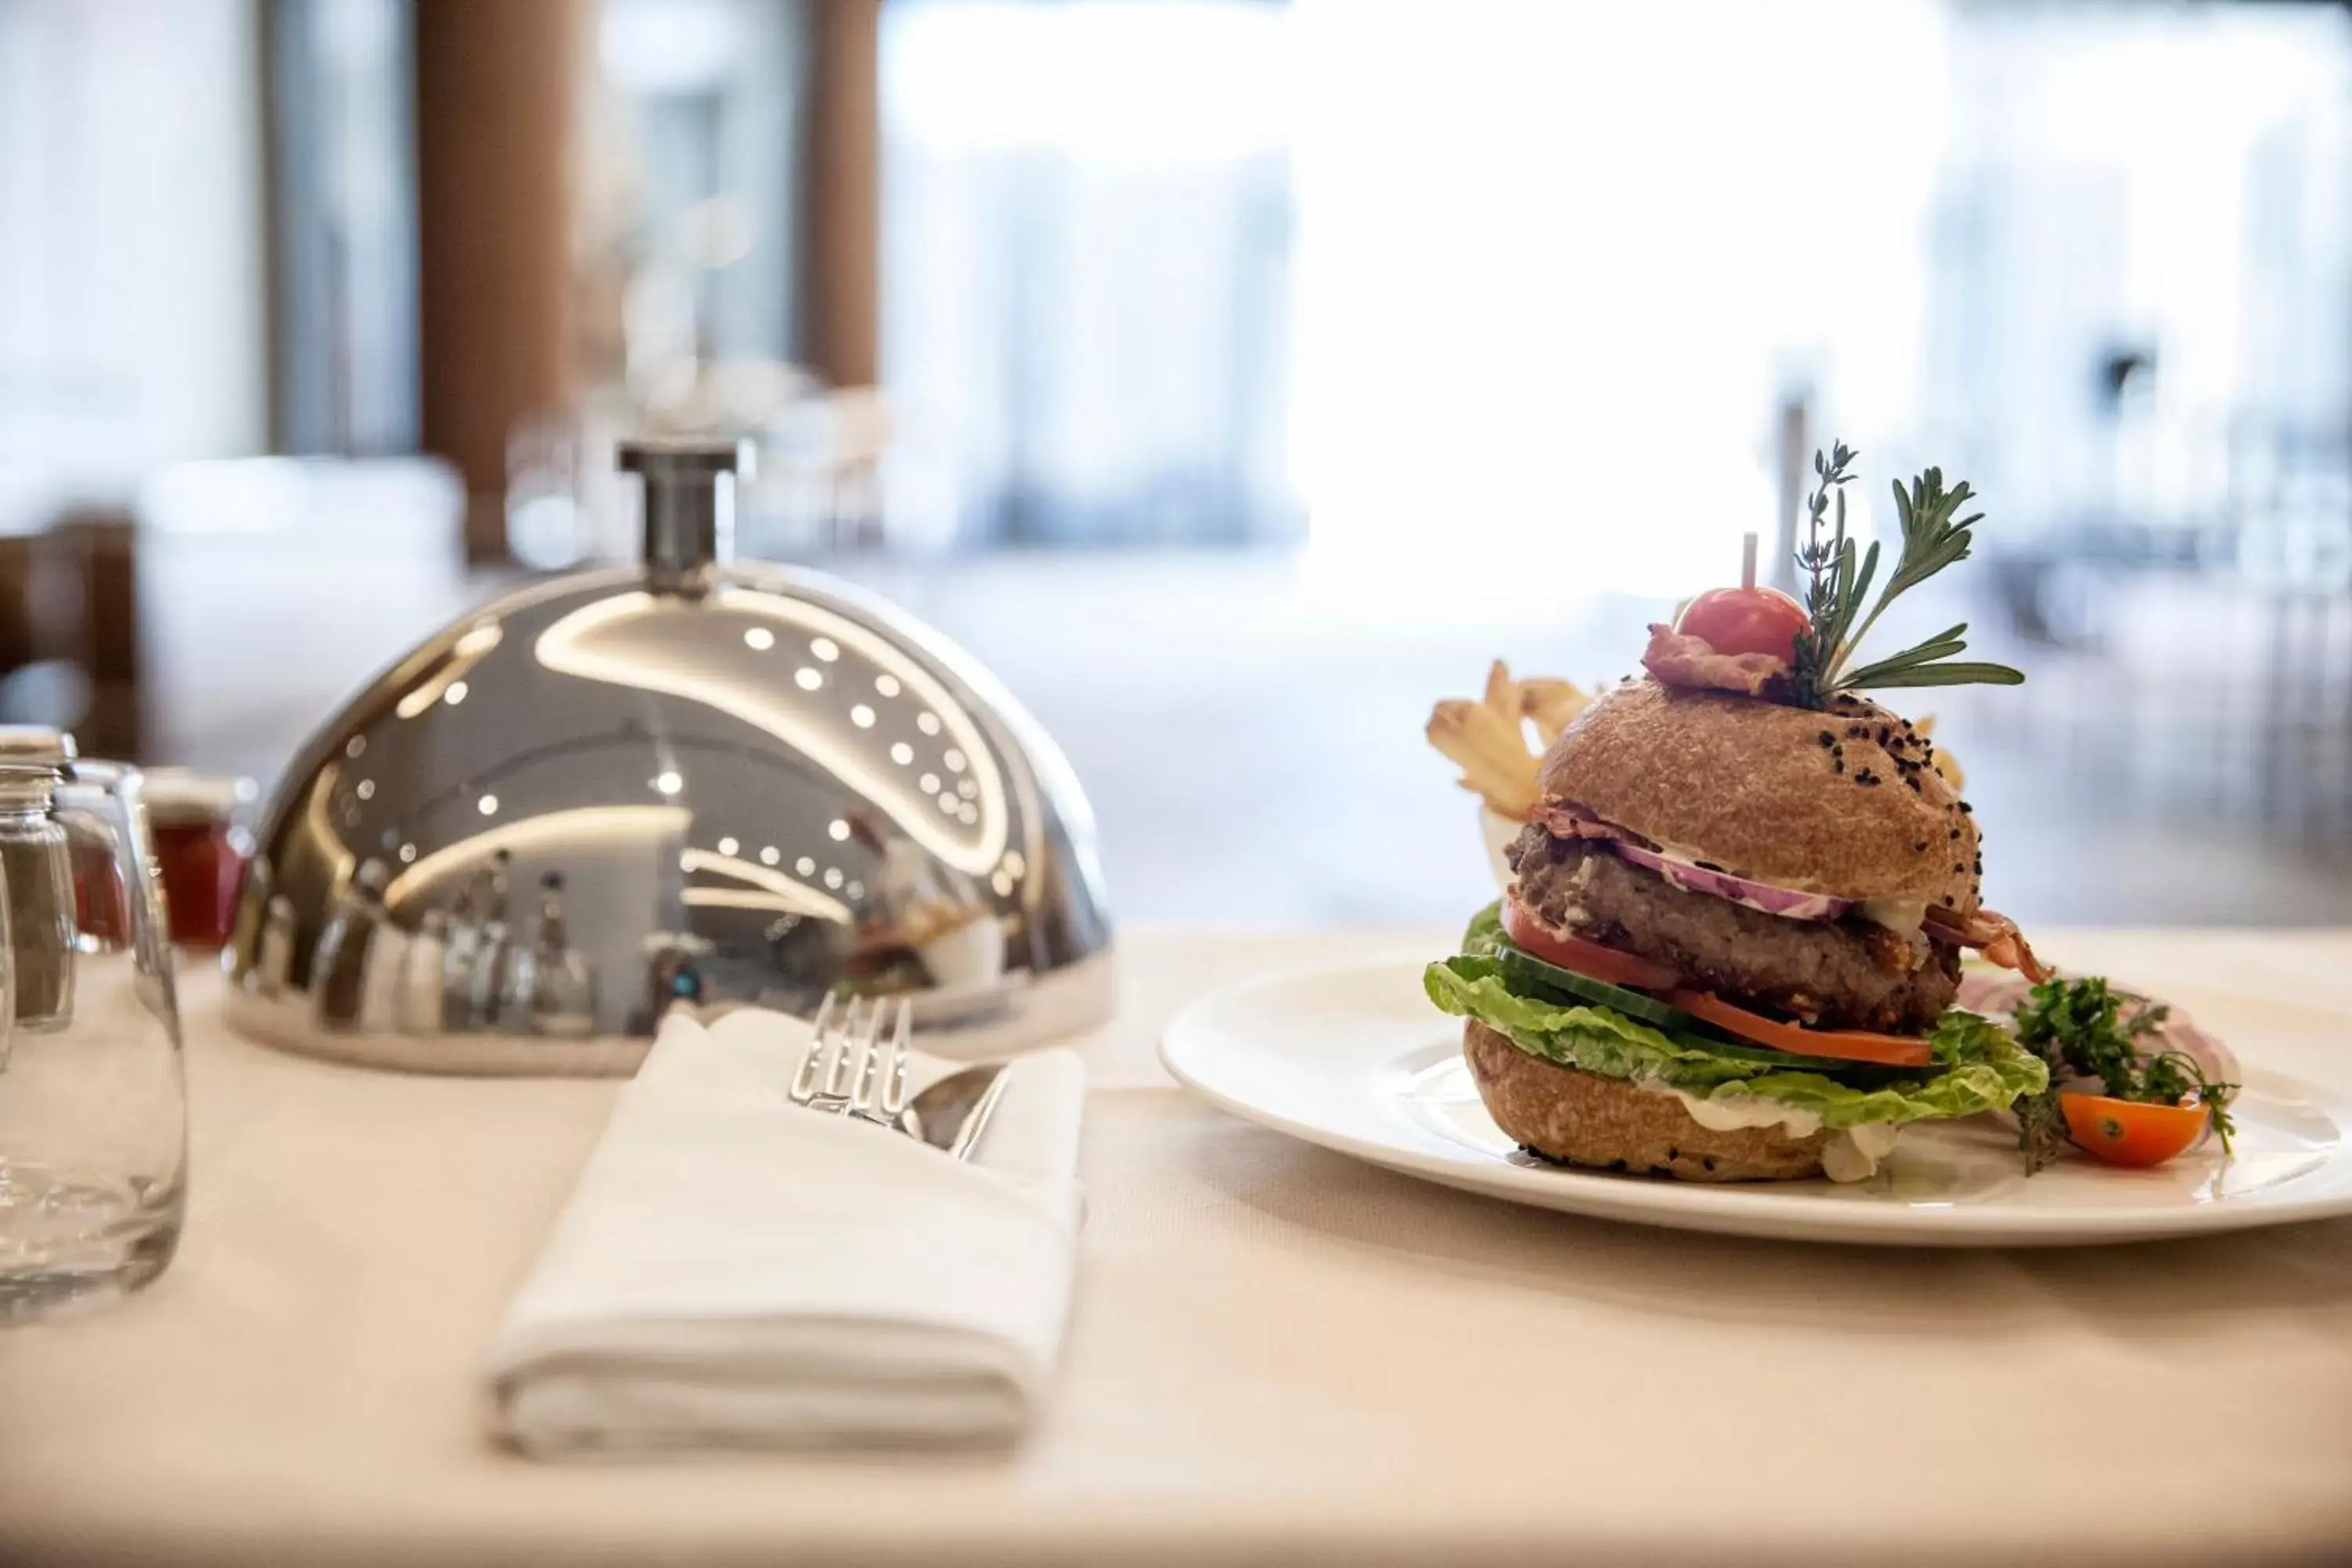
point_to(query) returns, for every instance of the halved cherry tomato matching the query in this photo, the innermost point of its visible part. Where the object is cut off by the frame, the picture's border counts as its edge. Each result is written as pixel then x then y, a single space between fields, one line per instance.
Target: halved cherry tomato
pixel 1522 926
pixel 2130 1132
pixel 1746 620
pixel 1846 1045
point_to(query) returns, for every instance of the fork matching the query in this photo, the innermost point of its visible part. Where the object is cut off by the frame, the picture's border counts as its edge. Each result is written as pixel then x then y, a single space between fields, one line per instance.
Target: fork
pixel 849 1070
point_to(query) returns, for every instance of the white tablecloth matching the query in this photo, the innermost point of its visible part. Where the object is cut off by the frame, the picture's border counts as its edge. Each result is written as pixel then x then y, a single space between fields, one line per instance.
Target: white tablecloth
pixel 1278 1355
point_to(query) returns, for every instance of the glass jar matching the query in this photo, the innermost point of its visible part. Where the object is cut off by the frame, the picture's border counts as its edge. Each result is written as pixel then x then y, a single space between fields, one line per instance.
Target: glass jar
pixel 203 835
pixel 93 1127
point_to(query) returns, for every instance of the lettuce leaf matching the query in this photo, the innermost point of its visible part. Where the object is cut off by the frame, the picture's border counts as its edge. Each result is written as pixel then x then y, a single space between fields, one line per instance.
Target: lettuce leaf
pixel 1982 1068
pixel 1485 936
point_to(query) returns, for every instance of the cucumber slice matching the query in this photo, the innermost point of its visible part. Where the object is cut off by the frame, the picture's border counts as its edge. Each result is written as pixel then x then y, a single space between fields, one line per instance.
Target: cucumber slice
pixel 1527 967
pixel 1529 970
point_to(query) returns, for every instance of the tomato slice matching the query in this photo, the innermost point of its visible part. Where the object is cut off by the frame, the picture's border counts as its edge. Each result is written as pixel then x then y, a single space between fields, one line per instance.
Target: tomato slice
pixel 2129 1131
pixel 1525 927
pixel 1845 1045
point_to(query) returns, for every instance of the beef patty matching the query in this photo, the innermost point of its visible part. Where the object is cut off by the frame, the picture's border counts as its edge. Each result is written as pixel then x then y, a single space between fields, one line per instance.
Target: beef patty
pixel 1850 973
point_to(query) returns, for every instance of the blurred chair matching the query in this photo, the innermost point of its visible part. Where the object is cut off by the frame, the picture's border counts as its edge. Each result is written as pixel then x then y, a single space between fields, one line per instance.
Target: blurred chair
pixel 70 629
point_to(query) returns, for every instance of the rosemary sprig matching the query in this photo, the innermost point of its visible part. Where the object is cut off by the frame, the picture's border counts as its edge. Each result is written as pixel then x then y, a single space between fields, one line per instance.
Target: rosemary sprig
pixel 1838 582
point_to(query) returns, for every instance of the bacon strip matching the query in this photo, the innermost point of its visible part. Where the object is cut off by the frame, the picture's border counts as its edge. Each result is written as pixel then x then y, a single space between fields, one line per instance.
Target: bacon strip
pixel 1993 934
pixel 2011 952
pixel 1562 820
pixel 1679 661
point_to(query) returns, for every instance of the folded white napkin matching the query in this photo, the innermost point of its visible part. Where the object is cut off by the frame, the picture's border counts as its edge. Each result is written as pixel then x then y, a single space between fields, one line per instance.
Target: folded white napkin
pixel 736 1272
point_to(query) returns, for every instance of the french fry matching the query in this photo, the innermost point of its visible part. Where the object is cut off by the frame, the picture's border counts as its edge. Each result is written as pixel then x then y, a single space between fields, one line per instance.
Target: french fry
pixel 1553 705
pixel 1502 691
pixel 1490 751
pixel 1487 738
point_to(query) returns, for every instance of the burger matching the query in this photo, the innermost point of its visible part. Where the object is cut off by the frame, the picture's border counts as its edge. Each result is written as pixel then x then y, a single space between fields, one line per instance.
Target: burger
pixel 1732 936
pixel 1731 945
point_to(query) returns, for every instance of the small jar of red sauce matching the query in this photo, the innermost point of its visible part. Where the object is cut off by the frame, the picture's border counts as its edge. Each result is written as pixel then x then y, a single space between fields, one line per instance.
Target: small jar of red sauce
pixel 199 822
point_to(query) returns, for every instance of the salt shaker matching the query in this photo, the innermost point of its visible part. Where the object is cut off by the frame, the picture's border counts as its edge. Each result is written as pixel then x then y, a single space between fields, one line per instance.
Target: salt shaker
pixel 36 860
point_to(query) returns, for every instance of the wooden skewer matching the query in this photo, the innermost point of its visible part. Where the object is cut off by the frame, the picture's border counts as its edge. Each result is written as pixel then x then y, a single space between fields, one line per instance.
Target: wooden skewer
pixel 1747 560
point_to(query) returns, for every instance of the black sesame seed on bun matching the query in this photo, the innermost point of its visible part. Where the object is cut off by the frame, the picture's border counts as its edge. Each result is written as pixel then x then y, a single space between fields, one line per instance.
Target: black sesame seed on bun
pixel 1748 785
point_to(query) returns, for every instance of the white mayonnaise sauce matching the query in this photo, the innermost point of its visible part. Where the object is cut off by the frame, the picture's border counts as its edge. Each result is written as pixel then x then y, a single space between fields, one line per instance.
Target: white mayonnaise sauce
pixel 1851 1155
pixel 1854 1153
pixel 1906 915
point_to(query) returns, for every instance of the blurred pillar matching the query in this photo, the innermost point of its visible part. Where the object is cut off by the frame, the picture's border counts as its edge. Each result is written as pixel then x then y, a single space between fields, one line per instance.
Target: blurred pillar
pixel 494 95
pixel 841 329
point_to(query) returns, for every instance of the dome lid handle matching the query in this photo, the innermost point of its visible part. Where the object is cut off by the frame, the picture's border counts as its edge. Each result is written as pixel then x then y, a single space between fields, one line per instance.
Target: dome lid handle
pixel 689 523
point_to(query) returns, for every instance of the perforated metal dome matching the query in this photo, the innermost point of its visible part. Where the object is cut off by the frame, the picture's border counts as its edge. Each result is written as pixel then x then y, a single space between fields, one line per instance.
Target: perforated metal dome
pixel 684 784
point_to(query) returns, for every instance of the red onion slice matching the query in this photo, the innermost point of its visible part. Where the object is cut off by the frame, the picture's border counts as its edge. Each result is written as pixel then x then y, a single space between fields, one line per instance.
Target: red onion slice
pixel 1763 896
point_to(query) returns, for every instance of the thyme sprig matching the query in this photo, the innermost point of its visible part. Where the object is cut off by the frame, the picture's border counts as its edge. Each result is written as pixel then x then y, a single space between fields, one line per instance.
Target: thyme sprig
pixel 1831 579
pixel 1839 579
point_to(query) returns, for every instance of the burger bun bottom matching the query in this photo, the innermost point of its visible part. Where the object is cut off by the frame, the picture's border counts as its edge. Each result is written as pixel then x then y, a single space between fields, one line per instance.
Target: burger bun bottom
pixel 1582 1119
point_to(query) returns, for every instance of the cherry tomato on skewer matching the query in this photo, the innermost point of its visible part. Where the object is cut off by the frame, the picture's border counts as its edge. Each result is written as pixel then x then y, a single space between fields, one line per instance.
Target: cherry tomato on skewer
pixel 1746 620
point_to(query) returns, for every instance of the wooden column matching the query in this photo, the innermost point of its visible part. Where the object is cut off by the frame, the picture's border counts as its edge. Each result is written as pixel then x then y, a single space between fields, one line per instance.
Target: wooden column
pixel 495 86
pixel 841 319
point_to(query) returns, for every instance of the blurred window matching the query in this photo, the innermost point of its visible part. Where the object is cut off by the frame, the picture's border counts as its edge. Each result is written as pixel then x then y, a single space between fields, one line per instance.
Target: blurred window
pixel 1558 265
pixel 131 267
pixel 2142 258
pixel 343 232
pixel 690 203
pixel 1561 264
pixel 1086 268
pixel 1556 268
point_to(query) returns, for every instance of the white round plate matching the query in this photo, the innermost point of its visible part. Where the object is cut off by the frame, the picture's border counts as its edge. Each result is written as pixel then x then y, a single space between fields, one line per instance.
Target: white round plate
pixel 1355 1059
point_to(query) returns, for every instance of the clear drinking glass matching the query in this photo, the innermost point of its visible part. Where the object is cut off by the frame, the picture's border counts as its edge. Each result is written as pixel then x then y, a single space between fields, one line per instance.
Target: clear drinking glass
pixel 93 1118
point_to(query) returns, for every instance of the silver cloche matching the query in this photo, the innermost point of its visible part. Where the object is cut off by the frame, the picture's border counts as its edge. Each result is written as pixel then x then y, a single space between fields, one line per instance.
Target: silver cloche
pixel 687 786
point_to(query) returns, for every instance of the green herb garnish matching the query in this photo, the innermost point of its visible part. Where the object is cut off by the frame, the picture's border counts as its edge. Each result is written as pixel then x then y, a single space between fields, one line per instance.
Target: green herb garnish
pixel 2042 1132
pixel 2079 1025
pixel 1838 584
